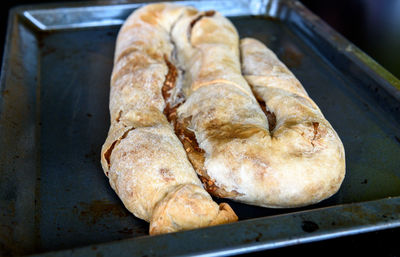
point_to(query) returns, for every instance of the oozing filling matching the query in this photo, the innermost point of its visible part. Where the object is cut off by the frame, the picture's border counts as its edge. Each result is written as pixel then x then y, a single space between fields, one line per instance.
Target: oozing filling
pixel 272 121
pixel 205 14
pixel 187 137
pixel 197 158
pixel 118 119
pixel 173 99
pixel 169 83
pixel 315 127
pixel 107 153
pixel 270 115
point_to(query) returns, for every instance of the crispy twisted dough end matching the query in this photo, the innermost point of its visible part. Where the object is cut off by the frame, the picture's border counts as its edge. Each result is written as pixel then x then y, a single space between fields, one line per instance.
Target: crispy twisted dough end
pixel 188 207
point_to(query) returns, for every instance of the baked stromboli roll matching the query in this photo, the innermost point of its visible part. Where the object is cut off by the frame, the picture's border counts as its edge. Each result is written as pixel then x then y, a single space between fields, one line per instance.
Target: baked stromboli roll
pixel 286 155
pixel 308 150
pixel 144 160
pixel 216 94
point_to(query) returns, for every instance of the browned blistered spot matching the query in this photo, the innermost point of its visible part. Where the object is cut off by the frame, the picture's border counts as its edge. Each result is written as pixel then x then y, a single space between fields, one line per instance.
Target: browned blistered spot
pixel 192 12
pixel 209 13
pixel 166 174
pixel 198 18
pixel 127 51
pixel 205 14
pixel 154 53
pixel 228 131
pixel 156 8
pixel 148 18
pixel 135 62
pixel 153 14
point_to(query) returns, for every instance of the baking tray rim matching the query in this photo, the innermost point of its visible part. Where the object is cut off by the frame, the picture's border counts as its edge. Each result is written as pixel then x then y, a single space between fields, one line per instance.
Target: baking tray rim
pixel 389 220
pixel 309 226
pixel 266 7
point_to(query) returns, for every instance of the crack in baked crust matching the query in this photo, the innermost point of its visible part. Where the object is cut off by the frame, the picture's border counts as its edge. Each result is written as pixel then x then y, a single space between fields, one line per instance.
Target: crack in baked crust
pixel 209 13
pixel 193 151
pixel 197 158
pixel 270 115
pixel 108 152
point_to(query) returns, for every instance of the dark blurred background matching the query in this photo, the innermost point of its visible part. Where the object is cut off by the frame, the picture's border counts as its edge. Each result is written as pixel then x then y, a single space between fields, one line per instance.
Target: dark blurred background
pixel 373 26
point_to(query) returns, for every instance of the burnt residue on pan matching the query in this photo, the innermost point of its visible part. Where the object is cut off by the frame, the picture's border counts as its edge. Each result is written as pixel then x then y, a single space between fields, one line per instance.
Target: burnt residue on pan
pixel 95 210
pixel 309 226
pixel 291 56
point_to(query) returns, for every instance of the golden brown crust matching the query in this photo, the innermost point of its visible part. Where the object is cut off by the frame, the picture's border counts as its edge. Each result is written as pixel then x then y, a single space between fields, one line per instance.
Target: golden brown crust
pixel 197 158
pixel 273 149
pixel 145 162
pixel 188 206
pixel 266 143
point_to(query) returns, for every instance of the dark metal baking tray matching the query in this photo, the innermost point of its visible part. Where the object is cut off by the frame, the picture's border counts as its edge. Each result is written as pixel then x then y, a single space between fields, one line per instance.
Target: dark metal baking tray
pixel 54 198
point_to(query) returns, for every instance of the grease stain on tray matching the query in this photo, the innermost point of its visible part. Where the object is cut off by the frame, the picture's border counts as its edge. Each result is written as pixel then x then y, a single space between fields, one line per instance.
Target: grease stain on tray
pixel 98 209
pixel 128 231
pixel 309 226
pixel 5 92
pixel 292 56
